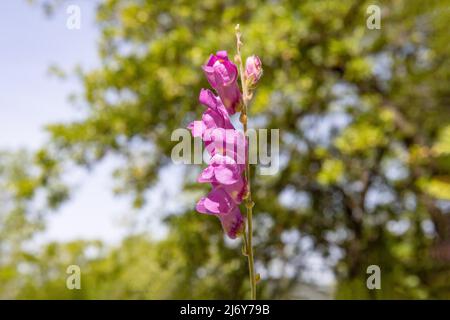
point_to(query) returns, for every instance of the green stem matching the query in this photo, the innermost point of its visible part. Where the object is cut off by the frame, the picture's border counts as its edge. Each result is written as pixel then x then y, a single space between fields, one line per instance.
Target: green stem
pixel 248 237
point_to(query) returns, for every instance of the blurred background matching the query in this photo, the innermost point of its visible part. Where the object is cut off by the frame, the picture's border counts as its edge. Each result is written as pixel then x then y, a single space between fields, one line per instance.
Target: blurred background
pixel 87 108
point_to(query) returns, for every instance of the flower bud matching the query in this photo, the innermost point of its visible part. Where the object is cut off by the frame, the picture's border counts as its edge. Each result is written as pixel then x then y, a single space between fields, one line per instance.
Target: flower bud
pixel 253 70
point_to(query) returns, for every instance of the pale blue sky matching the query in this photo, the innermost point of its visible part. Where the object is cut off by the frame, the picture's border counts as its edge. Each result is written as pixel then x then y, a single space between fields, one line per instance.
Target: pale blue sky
pixel 29 99
pixel 30 42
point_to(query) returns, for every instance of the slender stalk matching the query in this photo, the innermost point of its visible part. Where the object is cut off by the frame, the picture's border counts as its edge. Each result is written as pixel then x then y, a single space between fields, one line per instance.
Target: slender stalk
pixel 248 236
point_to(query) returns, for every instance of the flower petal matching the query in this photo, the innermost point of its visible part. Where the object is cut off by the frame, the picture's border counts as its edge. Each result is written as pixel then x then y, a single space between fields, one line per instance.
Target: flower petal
pixel 197 127
pixel 218 201
pixel 232 222
pixel 207 98
pixel 226 173
pixel 206 175
pixel 236 190
pixel 200 207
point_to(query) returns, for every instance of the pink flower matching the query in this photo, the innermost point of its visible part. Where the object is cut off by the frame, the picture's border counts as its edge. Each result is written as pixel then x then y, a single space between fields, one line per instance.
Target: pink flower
pixel 253 70
pixel 229 142
pixel 222 75
pixel 222 170
pixel 215 116
pixel 236 190
pixel 226 142
pixel 219 203
pixel 228 191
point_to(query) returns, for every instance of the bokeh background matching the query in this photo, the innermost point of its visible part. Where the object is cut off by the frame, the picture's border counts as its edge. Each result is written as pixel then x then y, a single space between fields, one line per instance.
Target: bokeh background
pixel 86 176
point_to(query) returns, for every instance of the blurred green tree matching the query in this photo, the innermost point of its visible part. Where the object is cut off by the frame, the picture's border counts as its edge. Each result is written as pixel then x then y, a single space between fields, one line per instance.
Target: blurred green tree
pixel 365 144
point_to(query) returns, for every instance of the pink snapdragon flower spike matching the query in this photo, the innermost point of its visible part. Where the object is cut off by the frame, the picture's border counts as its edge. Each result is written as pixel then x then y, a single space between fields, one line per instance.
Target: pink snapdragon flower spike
pixel 253 70
pixel 228 171
pixel 226 145
pixel 222 75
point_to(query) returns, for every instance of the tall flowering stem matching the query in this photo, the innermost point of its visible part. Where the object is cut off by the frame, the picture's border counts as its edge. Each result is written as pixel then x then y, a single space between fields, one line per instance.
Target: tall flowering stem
pixel 228 171
pixel 248 233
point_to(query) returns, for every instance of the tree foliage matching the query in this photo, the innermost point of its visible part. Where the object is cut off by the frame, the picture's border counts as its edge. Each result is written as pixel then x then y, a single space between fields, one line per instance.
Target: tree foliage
pixel 364 139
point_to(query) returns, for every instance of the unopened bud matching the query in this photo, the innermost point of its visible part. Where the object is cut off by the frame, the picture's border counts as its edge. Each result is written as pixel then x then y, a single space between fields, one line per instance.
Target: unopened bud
pixel 253 70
